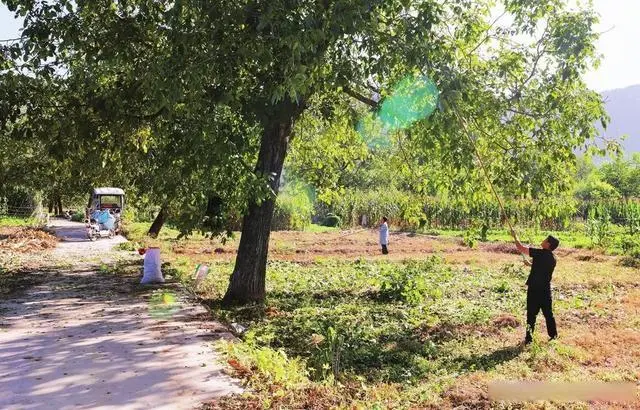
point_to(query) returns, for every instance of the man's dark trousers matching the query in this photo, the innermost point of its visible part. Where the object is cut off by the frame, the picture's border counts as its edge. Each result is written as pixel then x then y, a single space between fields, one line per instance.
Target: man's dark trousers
pixel 538 299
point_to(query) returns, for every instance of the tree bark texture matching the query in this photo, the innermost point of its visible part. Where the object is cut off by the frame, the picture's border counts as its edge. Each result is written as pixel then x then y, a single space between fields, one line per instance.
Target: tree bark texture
pixel 157 224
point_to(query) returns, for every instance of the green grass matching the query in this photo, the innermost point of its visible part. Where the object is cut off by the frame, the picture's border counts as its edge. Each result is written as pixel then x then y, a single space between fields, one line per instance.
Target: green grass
pixel 412 327
pixel 338 333
pixel 378 313
pixel 137 231
pixel 320 229
pixel 10 221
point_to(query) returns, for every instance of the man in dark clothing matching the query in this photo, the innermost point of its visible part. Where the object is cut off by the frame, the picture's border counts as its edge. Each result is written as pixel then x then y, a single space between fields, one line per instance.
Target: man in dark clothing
pixel 539 284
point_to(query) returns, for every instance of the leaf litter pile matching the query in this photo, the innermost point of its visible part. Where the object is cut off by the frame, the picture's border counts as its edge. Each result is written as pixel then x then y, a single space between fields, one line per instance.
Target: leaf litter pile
pixel 26 240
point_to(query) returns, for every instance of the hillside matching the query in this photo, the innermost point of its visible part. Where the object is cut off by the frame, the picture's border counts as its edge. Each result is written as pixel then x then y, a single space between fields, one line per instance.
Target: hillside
pixel 623 106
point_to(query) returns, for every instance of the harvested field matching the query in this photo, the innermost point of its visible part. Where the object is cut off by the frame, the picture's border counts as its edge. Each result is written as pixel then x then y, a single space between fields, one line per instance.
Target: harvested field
pixel 428 326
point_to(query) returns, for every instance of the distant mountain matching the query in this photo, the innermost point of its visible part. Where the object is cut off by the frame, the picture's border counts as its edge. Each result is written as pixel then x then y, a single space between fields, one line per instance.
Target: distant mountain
pixel 623 106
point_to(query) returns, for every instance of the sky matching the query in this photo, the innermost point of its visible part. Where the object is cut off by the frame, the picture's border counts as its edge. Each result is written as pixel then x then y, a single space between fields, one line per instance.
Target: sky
pixel 619 23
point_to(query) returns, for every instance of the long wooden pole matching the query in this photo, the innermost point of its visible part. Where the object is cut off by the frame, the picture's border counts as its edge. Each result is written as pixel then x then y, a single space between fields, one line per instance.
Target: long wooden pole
pixel 484 169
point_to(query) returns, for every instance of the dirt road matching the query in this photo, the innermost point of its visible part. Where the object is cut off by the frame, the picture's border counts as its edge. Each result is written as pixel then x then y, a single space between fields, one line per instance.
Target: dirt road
pixel 86 337
pixel 73 240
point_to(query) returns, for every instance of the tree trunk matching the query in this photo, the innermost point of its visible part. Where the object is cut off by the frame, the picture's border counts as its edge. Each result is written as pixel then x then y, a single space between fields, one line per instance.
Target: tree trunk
pixel 247 282
pixel 156 226
pixel 59 210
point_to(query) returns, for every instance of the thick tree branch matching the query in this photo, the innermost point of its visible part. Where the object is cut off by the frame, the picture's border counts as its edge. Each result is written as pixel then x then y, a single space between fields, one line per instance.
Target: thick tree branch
pixel 350 92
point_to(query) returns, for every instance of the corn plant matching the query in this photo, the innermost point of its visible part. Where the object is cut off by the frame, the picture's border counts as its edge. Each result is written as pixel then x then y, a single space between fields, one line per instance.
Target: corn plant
pixel 599 225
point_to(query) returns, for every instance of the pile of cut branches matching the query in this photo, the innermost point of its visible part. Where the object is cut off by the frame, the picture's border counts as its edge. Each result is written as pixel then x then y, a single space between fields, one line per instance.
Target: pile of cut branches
pixel 26 240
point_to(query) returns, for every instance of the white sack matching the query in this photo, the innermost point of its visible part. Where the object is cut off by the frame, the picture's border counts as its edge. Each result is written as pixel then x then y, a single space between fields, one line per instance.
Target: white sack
pixel 152 264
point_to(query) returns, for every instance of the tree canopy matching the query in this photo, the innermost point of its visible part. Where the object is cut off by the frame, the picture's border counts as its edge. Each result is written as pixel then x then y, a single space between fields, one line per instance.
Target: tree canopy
pixel 187 100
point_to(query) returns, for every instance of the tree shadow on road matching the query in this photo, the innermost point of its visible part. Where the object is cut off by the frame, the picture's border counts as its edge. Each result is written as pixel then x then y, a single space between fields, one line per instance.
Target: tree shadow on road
pixel 87 338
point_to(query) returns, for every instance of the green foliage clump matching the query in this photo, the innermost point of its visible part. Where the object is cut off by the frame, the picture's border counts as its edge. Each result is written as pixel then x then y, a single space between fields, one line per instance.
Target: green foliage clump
pixel 623 174
pixel 293 210
pixel 595 189
pixel 469 238
pixel 598 225
pixel 332 220
pixel 629 242
pixel 77 217
pixel 267 366
pixel 630 245
pixel 412 283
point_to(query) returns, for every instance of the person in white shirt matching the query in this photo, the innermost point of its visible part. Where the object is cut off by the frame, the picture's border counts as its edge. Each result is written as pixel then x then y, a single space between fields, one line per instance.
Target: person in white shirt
pixel 384 235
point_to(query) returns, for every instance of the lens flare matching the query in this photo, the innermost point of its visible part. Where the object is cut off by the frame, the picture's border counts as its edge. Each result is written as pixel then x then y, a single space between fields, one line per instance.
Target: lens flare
pixel 163 304
pixel 414 98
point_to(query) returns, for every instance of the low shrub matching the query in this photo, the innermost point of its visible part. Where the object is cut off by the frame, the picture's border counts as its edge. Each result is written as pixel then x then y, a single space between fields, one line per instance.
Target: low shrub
pixel 629 243
pixel 77 217
pixel 264 366
pixel 412 283
pixel 631 261
pixel 332 220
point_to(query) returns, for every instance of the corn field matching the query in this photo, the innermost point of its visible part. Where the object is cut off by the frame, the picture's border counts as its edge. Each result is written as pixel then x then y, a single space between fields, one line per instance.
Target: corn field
pixel 624 213
pixel 409 211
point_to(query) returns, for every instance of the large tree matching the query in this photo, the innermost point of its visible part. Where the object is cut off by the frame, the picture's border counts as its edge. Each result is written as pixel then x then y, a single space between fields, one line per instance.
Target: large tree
pixel 42 130
pixel 264 61
pixel 113 106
